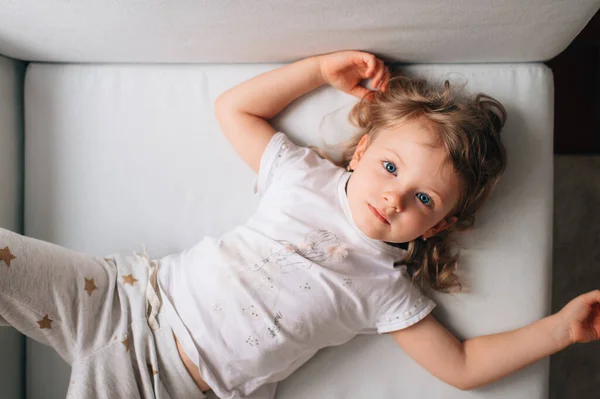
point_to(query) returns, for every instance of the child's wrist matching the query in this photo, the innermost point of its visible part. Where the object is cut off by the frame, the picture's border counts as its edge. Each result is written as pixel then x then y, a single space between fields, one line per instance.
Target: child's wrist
pixel 559 329
pixel 320 76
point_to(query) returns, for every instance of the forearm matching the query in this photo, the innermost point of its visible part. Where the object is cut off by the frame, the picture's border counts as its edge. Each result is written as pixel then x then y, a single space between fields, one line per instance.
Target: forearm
pixel 492 357
pixel 267 94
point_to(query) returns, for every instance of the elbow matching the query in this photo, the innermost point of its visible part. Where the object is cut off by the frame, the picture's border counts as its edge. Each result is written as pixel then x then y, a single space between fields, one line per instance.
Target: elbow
pixel 464 382
pixel 225 101
pixel 219 103
pixel 467 382
pixel 459 382
pixel 224 105
pixel 464 386
pixel 222 100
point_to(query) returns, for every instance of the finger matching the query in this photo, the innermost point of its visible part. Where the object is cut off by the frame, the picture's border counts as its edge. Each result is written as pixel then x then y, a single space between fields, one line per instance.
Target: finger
pixel 378 74
pixel 592 297
pixel 370 62
pixel 381 69
pixel 360 92
pixel 385 80
pixel 595 294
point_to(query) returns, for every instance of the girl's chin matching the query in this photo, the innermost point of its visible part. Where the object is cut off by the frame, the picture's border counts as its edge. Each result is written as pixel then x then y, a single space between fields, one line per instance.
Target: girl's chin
pixel 373 233
pixel 376 234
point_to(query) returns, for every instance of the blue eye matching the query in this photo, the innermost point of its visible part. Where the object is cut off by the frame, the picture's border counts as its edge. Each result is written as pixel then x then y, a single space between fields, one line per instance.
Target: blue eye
pixel 424 198
pixel 390 167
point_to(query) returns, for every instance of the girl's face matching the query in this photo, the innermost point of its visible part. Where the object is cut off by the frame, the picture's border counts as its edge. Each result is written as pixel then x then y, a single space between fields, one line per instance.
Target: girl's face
pixel 401 187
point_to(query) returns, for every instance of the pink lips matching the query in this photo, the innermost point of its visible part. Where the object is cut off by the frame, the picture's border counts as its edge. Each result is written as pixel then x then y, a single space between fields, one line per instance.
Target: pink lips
pixel 379 215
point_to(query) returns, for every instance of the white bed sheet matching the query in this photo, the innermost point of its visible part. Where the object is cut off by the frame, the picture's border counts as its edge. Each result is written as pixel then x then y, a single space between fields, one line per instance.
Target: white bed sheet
pixel 123 155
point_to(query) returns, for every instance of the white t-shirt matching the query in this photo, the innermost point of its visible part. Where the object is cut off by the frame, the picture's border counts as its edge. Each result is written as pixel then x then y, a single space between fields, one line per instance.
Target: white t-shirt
pixel 254 305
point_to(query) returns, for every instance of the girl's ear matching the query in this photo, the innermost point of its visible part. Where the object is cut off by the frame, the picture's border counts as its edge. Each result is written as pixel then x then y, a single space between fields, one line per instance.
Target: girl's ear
pixel 359 151
pixel 440 226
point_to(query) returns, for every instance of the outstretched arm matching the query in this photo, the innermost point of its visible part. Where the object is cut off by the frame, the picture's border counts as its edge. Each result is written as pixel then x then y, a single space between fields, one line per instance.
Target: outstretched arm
pixel 482 360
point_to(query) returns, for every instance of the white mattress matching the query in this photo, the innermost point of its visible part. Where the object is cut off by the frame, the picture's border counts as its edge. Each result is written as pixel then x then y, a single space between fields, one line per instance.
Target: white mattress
pixel 213 31
pixel 119 156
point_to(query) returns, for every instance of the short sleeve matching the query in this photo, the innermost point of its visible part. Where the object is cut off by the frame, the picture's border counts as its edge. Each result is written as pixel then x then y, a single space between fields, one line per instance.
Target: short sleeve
pixel 406 306
pixel 281 154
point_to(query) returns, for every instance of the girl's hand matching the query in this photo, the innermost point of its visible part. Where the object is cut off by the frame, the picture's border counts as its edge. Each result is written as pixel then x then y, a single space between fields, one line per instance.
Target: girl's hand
pixel 345 69
pixel 582 317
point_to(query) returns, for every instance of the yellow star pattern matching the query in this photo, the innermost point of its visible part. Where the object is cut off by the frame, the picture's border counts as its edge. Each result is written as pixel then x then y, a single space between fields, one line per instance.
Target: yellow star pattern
pixel 6 256
pixel 45 322
pixel 151 369
pixel 90 286
pixel 126 343
pixel 129 279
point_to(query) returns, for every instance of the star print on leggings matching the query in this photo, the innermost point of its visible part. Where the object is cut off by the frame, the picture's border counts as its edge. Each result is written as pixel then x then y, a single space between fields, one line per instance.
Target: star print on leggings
pixel 45 322
pixel 129 279
pixel 126 343
pixel 151 368
pixel 6 256
pixel 90 286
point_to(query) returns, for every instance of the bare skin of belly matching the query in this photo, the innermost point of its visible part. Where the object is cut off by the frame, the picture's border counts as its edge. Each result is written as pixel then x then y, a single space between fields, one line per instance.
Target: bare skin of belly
pixel 191 367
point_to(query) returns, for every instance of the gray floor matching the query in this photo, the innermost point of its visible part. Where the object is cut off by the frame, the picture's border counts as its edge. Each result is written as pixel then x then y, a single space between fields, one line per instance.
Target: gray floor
pixel 575 371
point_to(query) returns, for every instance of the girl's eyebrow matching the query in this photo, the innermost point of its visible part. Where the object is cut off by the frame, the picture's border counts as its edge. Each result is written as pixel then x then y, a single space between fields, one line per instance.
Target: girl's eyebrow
pixel 404 165
pixel 396 155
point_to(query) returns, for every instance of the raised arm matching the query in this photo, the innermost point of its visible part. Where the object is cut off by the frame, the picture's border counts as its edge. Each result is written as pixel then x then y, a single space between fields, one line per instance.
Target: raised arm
pixel 243 111
pixel 481 360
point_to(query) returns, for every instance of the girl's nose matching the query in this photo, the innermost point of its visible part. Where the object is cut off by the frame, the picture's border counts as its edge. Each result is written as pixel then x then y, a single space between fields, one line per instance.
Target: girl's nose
pixel 394 199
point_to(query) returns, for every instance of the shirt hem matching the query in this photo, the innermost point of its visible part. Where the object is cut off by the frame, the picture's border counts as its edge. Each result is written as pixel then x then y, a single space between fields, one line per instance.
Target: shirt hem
pixel 267 161
pixel 172 318
pixel 399 325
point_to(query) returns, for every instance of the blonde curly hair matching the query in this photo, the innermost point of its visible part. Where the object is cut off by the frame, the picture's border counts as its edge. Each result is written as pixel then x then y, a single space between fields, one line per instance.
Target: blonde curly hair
pixel 468 128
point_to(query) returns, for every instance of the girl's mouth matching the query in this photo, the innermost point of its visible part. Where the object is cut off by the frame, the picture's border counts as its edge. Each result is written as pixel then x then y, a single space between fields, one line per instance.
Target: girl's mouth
pixel 379 216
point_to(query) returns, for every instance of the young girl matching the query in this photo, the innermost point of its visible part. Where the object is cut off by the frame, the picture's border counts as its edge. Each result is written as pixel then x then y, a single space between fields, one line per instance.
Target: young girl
pixel 333 250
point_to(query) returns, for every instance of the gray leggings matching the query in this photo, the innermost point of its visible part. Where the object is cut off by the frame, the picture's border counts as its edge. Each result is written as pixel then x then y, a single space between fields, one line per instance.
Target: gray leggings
pixel 99 314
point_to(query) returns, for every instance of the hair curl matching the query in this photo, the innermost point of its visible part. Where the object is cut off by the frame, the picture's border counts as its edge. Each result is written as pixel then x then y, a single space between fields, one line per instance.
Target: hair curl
pixel 468 128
